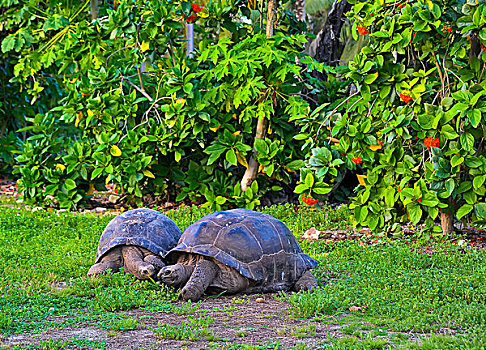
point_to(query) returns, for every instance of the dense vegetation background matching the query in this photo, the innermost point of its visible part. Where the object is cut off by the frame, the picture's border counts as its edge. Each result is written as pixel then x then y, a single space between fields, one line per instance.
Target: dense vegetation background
pixel 106 95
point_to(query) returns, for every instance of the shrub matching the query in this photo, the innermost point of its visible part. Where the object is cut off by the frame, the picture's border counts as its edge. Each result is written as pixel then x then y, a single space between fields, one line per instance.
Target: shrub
pixel 414 129
pixel 153 121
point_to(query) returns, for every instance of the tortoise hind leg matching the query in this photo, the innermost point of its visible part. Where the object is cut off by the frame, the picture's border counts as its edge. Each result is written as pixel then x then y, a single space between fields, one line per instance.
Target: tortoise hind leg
pixel 202 276
pixel 306 282
pixel 134 263
pixel 111 261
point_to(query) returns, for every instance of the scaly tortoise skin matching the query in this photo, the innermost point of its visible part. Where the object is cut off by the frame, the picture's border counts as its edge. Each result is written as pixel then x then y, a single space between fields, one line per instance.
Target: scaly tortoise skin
pixel 137 240
pixel 237 251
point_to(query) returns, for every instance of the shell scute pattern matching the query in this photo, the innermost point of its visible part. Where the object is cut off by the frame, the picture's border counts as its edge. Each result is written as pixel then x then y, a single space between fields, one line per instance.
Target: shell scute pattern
pixel 257 245
pixel 146 228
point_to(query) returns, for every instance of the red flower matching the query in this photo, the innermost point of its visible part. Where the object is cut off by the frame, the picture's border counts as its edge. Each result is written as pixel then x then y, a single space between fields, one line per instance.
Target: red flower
pixel 399 189
pixel 190 19
pixel 379 142
pixel 447 30
pixel 419 199
pixel 405 98
pixel 196 7
pixel 357 160
pixel 430 142
pixel 483 47
pixel 309 200
pixel 362 30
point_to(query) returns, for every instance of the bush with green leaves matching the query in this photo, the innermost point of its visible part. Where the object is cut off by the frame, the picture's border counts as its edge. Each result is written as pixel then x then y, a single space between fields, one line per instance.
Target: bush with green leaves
pixel 415 126
pixel 152 120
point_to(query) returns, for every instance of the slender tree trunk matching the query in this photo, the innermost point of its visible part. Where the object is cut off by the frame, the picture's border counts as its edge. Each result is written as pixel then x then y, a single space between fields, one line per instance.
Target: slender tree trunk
pixel 300 10
pixel 262 123
pixel 94 6
pixel 327 45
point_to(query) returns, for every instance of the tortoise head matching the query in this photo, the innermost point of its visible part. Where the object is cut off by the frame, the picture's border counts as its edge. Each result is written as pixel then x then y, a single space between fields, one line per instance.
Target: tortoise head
pixel 175 275
pixel 145 272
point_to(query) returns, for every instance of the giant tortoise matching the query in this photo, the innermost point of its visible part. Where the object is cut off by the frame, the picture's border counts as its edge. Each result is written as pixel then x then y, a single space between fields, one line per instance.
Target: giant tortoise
pixel 138 241
pixel 237 251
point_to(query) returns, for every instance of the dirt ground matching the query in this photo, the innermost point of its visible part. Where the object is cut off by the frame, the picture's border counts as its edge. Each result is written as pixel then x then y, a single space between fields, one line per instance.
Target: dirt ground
pixel 240 320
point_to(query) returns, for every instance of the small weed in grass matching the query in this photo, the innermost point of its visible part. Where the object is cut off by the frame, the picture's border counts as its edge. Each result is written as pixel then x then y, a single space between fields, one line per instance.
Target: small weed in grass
pixel 125 324
pixel 193 329
pixel 236 346
pixel 241 334
pixel 298 331
pixel 75 343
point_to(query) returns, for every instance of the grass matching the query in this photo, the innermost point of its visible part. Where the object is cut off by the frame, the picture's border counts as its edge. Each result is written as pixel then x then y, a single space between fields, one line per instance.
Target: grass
pixel 404 296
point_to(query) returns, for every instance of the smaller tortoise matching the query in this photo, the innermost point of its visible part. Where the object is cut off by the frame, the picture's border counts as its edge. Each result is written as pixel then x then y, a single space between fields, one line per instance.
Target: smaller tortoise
pixel 237 251
pixel 137 240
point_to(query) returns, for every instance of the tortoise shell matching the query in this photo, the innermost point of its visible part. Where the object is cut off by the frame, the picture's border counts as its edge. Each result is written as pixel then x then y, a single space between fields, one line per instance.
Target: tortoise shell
pixel 257 245
pixel 145 228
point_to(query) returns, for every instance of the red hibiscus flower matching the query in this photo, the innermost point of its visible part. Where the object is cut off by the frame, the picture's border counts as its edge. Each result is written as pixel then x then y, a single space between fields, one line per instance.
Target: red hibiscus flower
pixel 357 160
pixel 309 200
pixel 190 19
pixel 379 142
pixel 431 142
pixel 362 30
pixel 196 7
pixel 405 98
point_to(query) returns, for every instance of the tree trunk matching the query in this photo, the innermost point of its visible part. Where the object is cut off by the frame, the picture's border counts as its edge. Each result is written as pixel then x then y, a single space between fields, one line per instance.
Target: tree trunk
pixel 327 47
pixel 94 9
pixel 300 10
pixel 447 221
pixel 262 123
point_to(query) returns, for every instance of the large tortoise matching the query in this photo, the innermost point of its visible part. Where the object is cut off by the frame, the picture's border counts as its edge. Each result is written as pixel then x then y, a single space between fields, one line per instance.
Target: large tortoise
pixel 237 251
pixel 137 240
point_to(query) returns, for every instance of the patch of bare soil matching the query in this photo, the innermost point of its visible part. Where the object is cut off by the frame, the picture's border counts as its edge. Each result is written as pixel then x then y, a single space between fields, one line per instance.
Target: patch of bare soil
pixel 240 320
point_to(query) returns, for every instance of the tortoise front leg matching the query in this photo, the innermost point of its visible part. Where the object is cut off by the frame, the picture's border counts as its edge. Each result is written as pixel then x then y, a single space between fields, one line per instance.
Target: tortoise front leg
pixel 306 282
pixel 112 261
pixel 204 273
pixel 134 263
pixel 155 260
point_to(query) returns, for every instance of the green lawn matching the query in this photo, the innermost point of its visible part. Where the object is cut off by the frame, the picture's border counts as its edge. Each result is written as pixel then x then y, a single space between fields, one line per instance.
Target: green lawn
pixel 376 295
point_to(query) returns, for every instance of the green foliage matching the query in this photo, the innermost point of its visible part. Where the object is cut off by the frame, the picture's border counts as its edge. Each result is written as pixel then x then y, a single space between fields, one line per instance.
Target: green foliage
pixel 398 286
pixel 416 122
pixel 193 329
pixel 150 120
pixel 406 289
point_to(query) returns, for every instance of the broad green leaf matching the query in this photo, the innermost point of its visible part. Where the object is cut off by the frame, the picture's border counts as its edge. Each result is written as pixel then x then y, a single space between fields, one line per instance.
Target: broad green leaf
pixel 231 157
pixel 456 160
pixel 480 209
pixel 322 190
pixel 415 212
pixel 370 78
pixel 450 185
pixel 478 181
pixel 449 132
pixel 301 188
pixel 474 116
pixel 69 184
pixel 309 180
pixel 96 173
pixel 261 146
pixel 464 210
pixel 467 141
pixel 473 162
